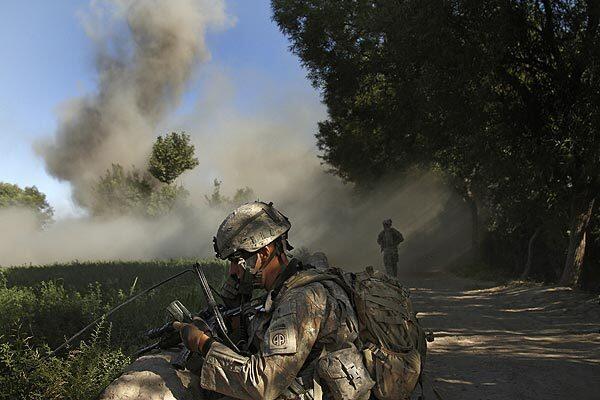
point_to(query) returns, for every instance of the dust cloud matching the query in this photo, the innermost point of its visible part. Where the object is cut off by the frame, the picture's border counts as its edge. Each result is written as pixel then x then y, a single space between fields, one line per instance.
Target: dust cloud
pixel 66 240
pixel 142 72
pixel 272 151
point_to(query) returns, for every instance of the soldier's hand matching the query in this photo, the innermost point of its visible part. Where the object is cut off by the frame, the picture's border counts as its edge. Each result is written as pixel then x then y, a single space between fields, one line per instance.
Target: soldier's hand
pixel 193 338
pixel 230 292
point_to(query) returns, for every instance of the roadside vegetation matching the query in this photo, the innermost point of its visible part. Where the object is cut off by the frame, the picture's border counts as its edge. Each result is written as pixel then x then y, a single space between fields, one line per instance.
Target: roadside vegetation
pixel 41 307
pixel 500 97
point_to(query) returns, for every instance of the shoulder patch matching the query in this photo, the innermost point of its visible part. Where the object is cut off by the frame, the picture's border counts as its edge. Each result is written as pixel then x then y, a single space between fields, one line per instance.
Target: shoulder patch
pixel 280 338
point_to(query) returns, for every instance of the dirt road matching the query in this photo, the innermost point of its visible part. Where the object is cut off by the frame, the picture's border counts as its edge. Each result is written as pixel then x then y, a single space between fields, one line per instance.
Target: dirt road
pixel 492 342
pixel 508 342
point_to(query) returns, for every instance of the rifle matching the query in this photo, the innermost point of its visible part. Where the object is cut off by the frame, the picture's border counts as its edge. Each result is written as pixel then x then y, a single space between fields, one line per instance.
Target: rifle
pixel 169 338
pixel 212 319
pixel 211 315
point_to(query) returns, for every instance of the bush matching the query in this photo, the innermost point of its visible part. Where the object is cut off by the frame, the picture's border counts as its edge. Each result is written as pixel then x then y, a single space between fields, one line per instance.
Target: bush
pixel 27 372
pixel 41 307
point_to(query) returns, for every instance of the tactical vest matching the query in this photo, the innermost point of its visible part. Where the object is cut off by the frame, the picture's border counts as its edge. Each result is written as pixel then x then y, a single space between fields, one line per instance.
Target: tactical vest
pixel 391 338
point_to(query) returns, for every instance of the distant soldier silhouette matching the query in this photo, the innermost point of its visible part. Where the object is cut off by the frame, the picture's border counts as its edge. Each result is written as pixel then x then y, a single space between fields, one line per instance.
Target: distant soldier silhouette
pixel 388 240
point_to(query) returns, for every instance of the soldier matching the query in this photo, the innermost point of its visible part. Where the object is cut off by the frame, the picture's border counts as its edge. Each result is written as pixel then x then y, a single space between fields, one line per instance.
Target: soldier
pixel 302 343
pixel 388 240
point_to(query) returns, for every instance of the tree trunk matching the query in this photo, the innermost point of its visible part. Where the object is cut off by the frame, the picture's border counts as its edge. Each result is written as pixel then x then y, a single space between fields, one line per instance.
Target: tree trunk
pixel 581 210
pixel 474 222
pixel 475 251
pixel 527 269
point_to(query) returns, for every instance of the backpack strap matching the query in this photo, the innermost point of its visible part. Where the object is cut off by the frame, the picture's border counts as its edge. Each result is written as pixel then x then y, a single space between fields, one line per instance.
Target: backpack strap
pixel 309 276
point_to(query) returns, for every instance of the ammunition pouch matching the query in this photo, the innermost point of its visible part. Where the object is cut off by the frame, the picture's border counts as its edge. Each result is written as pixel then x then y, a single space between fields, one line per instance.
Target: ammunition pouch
pixel 300 389
pixel 396 373
pixel 344 374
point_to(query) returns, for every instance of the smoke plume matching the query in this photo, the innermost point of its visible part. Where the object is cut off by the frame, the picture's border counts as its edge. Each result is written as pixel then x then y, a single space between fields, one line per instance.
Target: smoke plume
pixel 272 152
pixel 142 73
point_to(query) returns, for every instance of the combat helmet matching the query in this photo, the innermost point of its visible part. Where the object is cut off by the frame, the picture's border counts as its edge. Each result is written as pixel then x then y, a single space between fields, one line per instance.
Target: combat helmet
pixel 249 228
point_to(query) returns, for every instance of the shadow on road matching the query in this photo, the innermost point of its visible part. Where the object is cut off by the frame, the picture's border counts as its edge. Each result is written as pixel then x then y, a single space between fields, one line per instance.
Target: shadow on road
pixel 508 342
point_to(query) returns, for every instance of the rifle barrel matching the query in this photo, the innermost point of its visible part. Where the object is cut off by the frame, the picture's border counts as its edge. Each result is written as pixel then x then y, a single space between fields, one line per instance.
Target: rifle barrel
pixel 222 328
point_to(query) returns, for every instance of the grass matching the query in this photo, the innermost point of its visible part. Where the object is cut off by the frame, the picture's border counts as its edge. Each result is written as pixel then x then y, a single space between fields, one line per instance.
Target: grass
pixel 42 306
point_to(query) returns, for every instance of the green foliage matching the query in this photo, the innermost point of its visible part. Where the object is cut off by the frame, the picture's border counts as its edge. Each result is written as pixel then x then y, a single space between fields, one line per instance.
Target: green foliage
pixel 501 96
pixel 83 374
pixel 217 200
pixel 29 197
pixel 164 199
pixel 42 306
pixel 121 192
pixel 151 193
pixel 242 195
pixel 171 156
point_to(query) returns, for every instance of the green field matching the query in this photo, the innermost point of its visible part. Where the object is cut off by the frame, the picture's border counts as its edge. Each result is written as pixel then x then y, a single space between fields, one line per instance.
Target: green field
pixel 42 306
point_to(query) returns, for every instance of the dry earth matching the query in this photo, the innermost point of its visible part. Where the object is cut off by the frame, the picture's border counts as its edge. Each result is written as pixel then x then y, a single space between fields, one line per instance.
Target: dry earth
pixel 153 378
pixel 492 342
pixel 508 342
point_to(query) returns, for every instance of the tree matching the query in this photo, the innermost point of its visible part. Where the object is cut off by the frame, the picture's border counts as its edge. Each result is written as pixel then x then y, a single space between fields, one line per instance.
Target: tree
pixel 149 193
pixel 164 198
pixel 171 157
pixel 119 192
pixel 217 200
pixel 242 196
pixel 501 95
pixel 29 197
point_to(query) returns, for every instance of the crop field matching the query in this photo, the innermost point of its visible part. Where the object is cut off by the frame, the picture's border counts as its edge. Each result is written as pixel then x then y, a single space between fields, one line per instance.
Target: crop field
pixel 42 306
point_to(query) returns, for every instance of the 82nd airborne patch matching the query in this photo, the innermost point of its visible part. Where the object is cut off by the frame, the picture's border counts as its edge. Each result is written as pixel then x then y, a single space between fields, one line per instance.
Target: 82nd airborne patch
pixel 281 339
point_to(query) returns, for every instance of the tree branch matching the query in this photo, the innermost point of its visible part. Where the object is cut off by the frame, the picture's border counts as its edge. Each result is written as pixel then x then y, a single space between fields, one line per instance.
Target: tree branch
pixel 548 33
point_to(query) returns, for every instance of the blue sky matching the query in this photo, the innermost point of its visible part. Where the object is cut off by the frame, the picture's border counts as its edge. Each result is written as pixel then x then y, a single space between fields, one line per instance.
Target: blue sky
pixel 47 59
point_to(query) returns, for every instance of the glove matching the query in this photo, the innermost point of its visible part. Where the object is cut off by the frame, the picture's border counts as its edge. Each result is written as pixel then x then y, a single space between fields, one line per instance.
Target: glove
pixel 192 337
pixel 230 292
pixel 202 325
pixel 234 290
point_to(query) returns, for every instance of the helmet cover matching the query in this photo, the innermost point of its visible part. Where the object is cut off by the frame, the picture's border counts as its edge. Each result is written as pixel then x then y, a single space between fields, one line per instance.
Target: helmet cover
pixel 249 228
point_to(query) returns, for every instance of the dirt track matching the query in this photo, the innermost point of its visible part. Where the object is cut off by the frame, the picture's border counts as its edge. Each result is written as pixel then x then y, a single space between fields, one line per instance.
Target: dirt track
pixel 492 342
pixel 508 342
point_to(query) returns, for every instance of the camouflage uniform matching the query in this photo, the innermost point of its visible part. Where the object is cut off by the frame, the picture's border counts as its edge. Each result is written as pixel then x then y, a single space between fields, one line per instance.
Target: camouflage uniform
pixel 318 259
pixel 389 239
pixel 289 337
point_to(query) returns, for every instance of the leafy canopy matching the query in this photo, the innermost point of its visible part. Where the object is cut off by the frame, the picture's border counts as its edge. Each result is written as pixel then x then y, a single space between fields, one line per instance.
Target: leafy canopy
pixel 501 96
pixel 148 193
pixel 218 200
pixel 171 156
pixel 29 197
pixel 120 192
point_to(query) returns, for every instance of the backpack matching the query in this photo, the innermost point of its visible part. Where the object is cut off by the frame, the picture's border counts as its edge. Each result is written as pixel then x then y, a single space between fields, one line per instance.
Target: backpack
pixel 394 343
